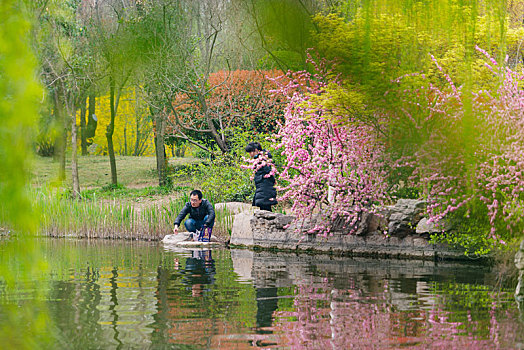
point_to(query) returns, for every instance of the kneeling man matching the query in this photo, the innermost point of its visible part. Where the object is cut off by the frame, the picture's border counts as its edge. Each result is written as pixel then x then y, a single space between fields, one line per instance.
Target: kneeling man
pixel 201 217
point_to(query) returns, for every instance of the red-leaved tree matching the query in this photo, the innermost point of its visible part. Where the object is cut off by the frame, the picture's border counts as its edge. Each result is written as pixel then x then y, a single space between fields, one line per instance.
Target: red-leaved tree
pixel 205 110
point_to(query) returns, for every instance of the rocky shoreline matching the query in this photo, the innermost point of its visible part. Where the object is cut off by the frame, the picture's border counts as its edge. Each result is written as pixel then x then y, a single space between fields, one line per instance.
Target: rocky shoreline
pixel 407 234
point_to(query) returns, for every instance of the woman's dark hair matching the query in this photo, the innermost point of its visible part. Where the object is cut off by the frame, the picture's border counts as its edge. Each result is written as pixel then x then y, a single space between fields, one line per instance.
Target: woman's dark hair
pixel 196 192
pixel 253 146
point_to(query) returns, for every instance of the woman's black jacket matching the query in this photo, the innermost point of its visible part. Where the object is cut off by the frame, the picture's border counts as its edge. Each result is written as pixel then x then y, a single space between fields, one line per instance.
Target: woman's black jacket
pixel 265 192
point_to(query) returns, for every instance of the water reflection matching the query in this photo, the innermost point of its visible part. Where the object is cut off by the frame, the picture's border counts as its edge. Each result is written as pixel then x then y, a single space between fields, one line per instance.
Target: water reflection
pixel 117 295
pixel 199 271
pixel 359 303
pixel 186 296
pixel 267 303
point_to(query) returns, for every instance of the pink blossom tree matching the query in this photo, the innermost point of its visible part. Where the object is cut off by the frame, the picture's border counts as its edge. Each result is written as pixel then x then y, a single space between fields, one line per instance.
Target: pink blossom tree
pixel 466 152
pixel 471 161
pixel 334 163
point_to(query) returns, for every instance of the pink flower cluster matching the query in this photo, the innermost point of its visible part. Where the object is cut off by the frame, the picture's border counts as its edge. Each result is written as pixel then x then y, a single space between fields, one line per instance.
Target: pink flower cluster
pixel 474 155
pixel 260 162
pixel 332 169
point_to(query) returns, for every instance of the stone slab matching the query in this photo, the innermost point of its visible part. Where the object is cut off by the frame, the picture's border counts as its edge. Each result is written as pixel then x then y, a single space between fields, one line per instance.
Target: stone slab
pixel 175 239
pixel 234 207
pixel 242 234
pixel 184 239
pixel 193 244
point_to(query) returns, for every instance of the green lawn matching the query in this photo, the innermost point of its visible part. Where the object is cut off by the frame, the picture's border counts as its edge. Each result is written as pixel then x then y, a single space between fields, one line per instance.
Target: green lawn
pixel 94 171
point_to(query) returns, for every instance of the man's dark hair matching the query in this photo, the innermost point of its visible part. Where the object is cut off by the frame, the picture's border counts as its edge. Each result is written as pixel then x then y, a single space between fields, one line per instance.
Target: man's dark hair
pixel 253 146
pixel 196 192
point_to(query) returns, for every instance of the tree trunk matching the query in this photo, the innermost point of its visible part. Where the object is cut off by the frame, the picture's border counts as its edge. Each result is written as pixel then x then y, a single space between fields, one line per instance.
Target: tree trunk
pixel 74 156
pixel 136 152
pixel 125 140
pixel 214 132
pixel 110 130
pixel 83 125
pixel 160 149
pixel 61 140
pixel 91 118
pixel 62 152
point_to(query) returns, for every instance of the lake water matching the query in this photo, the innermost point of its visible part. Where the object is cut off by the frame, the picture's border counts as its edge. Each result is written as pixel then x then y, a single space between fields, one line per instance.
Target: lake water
pixel 141 295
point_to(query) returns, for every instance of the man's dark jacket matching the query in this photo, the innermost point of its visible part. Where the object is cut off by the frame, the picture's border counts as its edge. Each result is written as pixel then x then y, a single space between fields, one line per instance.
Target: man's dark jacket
pixel 198 213
pixel 265 192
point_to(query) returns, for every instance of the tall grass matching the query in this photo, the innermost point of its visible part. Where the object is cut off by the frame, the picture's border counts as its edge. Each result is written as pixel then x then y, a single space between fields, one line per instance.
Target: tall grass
pixel 61 216
pixel 224 222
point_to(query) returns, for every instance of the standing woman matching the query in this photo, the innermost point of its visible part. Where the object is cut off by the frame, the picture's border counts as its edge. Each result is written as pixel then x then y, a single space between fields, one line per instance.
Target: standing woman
pixel 265 192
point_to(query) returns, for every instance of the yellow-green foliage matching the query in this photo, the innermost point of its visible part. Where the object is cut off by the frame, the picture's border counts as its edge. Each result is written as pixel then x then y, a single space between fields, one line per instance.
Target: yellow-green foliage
pixel 19 93
pixel 378 41
pixel 22 326
pixel 132 119
pixel 384 39
pixel 340 103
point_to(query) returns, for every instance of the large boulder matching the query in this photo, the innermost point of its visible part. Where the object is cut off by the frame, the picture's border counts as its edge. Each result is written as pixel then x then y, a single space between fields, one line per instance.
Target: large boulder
pixel 234 207
pixel 519 257
pixel 274 229
pixel 404 217
pixel 371 222
pixel 269 222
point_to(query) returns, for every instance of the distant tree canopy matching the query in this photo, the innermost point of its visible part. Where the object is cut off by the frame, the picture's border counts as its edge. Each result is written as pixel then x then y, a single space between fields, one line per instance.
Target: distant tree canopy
pixel 378 41
pixel 234 99
pixel 134 130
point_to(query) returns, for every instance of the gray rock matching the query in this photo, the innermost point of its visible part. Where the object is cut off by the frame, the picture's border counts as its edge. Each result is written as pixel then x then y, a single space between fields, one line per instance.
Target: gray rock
pixel 519 260
pixel 519 292
pixel 376 238
pixel 407 242
pixel 377 221
pixel 370 222
pixel 424 227
pixel 283 221
pixel 404 216
pixel 242 233
pixel 519 263
pixel 420 243
pixel 277 231
pixel 264 214
pixel 195 244
pixel 174 239
pixel 186 239
pixel 234 207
